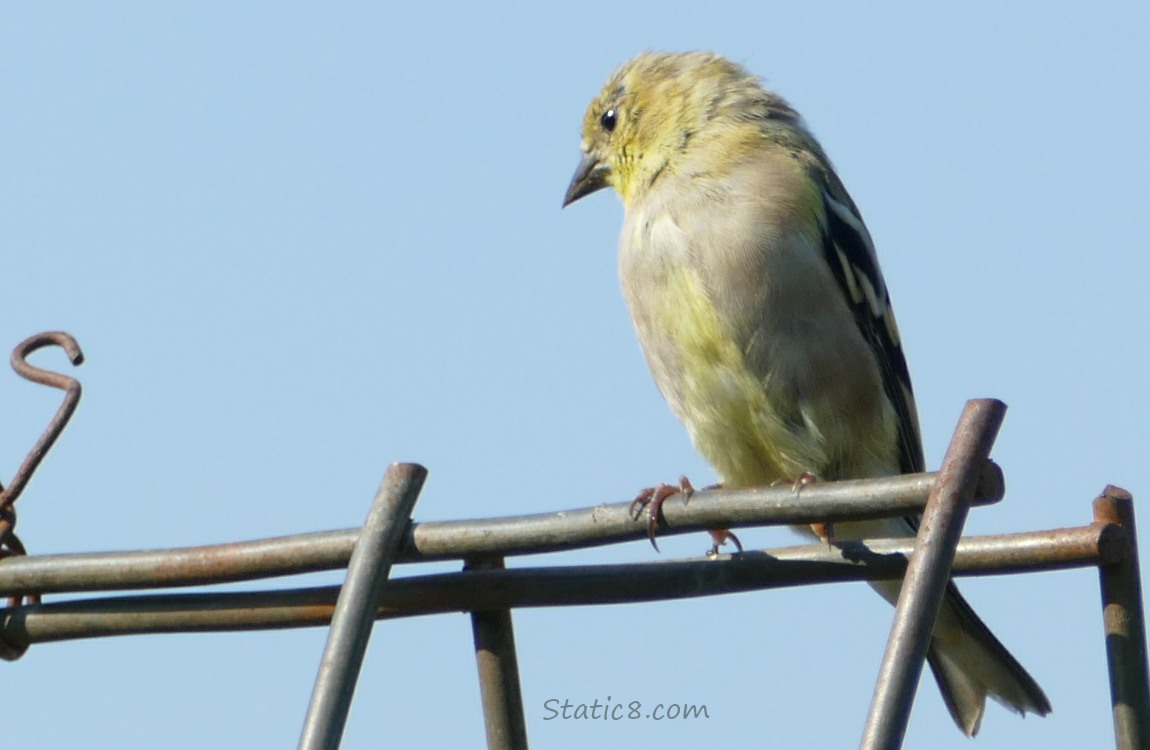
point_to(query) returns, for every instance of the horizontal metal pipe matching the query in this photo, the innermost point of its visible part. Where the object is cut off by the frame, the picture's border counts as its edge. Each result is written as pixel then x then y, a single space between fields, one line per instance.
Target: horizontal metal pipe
pixel 517 535
pixel 541 587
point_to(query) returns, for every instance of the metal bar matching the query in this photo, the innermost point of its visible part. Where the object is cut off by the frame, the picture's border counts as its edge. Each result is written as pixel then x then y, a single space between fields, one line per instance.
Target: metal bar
pixel 10 544
pixel 1123 618
pixel 354 614
pixel 69 385
pixel 927 574
pixel 498 671
pixel 531 534
pixel 1058 549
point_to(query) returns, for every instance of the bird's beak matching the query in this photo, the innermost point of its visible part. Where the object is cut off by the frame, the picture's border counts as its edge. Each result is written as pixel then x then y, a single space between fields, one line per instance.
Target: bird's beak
pixel 590 175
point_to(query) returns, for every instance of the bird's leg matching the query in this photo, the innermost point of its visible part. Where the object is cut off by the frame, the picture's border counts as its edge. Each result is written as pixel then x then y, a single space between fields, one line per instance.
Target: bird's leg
pixel 826 530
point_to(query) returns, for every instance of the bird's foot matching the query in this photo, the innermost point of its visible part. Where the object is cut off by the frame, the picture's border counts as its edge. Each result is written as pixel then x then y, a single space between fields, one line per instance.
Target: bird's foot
pixel 653 498
pixel 803 480
pixel 825 530
pixel 719 537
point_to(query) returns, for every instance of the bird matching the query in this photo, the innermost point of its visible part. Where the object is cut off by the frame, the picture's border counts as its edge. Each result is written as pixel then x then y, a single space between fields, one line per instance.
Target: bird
pixel 756 295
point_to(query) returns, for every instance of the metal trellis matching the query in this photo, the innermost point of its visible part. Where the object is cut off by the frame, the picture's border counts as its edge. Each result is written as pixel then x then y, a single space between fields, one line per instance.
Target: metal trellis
pixel 488 590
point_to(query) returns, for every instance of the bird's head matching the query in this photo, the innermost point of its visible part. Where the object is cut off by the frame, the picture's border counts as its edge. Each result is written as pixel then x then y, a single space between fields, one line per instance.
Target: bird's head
pixel 652 112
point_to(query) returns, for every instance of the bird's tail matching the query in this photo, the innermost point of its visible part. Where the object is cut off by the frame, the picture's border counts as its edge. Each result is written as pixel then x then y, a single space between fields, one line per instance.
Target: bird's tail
pixel 970 663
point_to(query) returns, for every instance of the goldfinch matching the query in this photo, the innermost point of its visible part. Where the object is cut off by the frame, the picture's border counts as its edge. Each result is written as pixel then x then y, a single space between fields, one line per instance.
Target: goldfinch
pixel 758 301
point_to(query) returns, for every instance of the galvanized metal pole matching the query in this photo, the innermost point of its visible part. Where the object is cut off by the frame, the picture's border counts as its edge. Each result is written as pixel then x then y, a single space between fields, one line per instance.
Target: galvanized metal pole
pixel 355 608
pixel 1124 621
pixel 927 574
pixel 498 671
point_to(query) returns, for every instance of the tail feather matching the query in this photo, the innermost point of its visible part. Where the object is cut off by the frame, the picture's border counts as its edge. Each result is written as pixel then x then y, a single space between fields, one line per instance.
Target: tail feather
pixel 970 663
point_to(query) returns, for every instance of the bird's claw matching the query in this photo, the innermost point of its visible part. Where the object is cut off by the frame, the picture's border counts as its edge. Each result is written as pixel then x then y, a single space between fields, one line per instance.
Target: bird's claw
pixel 719 537
pixel 802 481
pixel 653 498
pixel 825 530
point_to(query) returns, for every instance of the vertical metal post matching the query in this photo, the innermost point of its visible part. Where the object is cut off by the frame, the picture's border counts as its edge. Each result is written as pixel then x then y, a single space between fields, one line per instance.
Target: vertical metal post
pixel 927 573
pixel 355 608
pixel 1124 621
pixel 498 672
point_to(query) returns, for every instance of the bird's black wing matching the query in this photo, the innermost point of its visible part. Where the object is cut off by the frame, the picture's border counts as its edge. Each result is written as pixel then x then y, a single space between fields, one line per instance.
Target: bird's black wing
pixel 850 254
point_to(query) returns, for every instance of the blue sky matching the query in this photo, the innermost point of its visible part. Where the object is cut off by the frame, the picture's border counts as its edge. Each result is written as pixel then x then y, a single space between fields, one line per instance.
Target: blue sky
pixel 298 243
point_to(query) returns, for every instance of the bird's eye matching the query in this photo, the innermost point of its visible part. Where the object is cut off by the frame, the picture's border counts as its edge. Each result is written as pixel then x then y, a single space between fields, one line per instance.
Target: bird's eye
pixel 609 119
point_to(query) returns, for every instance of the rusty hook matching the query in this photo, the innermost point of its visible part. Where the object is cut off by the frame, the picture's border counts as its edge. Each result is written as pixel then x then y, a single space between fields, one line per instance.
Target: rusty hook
pixel 71 388
pixel 10 544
